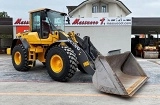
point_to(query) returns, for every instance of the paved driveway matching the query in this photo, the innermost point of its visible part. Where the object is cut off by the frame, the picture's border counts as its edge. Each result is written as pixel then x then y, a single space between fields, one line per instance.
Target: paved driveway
pixel 35 87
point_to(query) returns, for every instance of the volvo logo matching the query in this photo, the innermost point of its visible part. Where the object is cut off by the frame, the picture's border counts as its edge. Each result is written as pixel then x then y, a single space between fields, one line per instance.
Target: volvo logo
pixel 75 46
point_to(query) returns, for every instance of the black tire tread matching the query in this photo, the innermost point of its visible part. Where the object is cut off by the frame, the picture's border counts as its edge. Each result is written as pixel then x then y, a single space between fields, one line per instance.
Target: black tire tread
pixel 25 66
pixel 72 63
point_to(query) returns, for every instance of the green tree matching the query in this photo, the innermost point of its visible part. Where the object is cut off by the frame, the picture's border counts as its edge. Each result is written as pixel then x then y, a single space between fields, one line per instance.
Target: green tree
pixel 4 15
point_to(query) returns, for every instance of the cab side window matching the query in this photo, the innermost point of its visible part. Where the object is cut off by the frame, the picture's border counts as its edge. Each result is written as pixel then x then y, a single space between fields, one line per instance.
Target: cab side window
pixel 36 26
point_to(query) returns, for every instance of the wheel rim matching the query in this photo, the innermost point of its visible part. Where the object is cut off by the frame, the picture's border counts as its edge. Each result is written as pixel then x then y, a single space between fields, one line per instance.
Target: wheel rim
pixel 17 58
pixel 56 63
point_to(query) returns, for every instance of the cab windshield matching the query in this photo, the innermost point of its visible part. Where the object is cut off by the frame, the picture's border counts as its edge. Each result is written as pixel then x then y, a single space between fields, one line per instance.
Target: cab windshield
pixel 56 20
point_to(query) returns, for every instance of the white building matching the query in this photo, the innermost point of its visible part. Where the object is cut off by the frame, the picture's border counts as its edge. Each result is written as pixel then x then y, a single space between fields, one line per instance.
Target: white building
pixel 99 8
pixel 115 31
pixel 104 21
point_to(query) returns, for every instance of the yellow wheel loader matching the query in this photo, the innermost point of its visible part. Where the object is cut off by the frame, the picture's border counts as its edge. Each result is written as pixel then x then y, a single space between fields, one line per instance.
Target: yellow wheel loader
pixel 63 54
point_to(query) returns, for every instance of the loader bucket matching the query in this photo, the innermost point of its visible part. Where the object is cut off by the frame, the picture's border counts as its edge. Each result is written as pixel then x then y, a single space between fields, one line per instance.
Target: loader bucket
pixel 118 74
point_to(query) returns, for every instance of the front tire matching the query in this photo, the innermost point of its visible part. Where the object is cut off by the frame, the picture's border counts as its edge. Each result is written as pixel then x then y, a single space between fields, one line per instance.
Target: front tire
pixel 20 58
pixel 61 63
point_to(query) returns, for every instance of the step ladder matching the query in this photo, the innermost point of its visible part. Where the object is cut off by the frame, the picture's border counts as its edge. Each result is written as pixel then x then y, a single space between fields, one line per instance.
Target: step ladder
pixel 32 58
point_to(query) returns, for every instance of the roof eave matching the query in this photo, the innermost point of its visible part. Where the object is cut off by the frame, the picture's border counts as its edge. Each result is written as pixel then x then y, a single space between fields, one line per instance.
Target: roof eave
pixel 124 7
pixel 79 6
pixel 117 2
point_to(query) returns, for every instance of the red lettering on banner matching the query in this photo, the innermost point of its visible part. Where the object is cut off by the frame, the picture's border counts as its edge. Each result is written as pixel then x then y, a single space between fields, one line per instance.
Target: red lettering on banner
pixel 20 21
pixel 78 22
pixel 102 20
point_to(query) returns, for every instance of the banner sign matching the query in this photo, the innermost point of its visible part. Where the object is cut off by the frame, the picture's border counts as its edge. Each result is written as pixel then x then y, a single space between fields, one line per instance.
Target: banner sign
pixel 98 21
pixel 87 21
pixel 20 21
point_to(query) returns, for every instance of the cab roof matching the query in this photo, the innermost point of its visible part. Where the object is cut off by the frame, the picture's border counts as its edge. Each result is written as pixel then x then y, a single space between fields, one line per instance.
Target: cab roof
pixel 41 9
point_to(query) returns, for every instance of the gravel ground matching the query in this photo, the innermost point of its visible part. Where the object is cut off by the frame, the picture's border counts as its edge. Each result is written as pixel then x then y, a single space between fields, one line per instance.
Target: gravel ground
pixel 36 87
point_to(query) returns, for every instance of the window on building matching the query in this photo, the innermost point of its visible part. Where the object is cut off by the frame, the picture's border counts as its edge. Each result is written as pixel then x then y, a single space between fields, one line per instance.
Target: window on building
pixel 95 9
pixel 104 9
pixel 99 7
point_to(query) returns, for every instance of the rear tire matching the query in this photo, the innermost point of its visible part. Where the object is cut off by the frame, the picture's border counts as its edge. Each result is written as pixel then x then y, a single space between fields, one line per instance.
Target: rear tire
pixel 20 58
pixel 61 63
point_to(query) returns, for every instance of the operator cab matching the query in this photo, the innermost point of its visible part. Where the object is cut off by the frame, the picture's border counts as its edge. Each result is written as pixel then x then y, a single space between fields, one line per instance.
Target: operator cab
pixel 46 21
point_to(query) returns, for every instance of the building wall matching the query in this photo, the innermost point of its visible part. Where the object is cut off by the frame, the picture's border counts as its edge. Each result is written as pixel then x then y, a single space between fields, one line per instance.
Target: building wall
pixel 14 32
pixel 99 15
pixel 116 11
pixel 119 12
pixel 82 12
pixel 106 38
pixel 86 11
pixel 89 10
pixel 112 12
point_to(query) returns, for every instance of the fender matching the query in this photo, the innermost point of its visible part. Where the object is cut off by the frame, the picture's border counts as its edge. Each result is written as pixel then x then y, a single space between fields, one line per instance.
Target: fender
pixel 20 41
pixel 82 57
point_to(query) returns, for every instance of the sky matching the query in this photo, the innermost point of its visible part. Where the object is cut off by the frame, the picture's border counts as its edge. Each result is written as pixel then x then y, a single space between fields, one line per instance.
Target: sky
pixel 20 8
